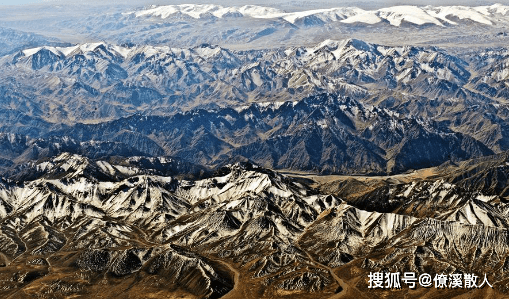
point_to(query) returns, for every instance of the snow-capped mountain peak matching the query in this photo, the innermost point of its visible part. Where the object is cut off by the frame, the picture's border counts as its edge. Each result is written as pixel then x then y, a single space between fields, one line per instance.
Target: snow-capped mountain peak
pixel 79 49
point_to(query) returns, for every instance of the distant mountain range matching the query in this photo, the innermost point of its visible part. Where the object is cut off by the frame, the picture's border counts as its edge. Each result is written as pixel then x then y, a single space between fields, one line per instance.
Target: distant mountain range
pixel 395 15
pixel 250 27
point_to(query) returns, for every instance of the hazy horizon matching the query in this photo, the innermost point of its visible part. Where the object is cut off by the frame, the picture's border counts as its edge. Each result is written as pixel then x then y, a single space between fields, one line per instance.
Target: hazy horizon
pixel 282 4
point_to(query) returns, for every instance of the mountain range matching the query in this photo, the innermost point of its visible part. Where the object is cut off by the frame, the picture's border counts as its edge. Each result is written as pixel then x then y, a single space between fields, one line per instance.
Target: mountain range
pixel 395 15
pixel 277 150
pixel 243 231
pixel 364 107
pixel 263 26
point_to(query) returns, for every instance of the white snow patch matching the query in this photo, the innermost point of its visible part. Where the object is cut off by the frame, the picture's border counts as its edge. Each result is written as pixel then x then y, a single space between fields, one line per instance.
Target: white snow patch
pixel 485 198
pixel 412 14
pixel 366 18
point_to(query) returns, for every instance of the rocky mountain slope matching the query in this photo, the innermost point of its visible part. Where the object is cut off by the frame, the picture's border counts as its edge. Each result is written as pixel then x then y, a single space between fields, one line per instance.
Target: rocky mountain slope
pixel 140 144
pixel 98 81
pixel 327 133
pixel 203 93
pixel 245 231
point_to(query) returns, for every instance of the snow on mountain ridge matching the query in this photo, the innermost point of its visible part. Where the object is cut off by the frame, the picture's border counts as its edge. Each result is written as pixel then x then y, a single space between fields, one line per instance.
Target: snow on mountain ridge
pixel 412 14
pixel 461 12
pixel 205 51
pixel 83 48
pixel 395 15
pixel 248 214
pixel 198 10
